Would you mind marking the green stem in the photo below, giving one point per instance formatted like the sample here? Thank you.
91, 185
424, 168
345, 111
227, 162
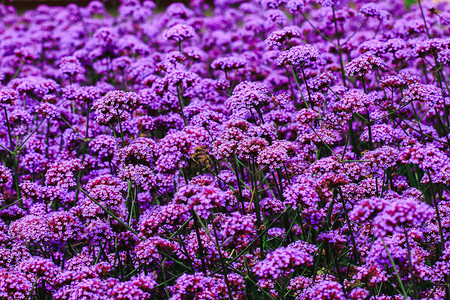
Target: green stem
181, 103
405, 294
244, 251
341, 61
317, 30
120, 128
86, 138
241, 199
307, 86
410, 264
256, 201
199, 241
424, 20
298, 85
29, 136
109, 213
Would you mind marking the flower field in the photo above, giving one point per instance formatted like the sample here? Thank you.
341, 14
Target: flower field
266, 149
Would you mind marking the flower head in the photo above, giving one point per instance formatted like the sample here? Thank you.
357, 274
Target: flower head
179, 32
299, 56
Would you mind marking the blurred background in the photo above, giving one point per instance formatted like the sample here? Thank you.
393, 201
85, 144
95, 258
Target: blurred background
23, 5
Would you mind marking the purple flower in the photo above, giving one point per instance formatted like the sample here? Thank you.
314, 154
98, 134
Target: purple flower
300, 283
8, 97
363, 65
302, 193
272, 206
48, 110
239, 230
299, 56
276, 155
430, 46
202, 199
326, 289
159, 220
425, 93
70, 66
91, 288
268, 4
185, 79
371, 273
150, 250
367, 209
103, 146
64, 226
322, 81
14, 285
228, 63
444, 57
402, 214
106, 36
381, 159
248, 95
250, 147
31, 229
282, 261
275, 16
354, 101
374, 10
5, 175
39, 270
19, 120
175, 149
26, 53
179, 32
306, 116
114, 105
328, 3
143, 171
139, 287
62, 173
295, 6
280, 37
359, 294
197, 286
140, 151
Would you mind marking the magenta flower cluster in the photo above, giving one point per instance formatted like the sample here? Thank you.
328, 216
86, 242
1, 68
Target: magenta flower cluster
226, 149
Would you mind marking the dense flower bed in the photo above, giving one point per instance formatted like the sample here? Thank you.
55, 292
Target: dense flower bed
272, 149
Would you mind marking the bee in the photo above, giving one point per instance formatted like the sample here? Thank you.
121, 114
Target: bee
200, 160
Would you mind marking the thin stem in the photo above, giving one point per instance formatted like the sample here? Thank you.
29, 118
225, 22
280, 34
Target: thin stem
109, 213
181, 103
222, 262
405, 294
317, 30
438, 215
341, 61
298, 85
241, 199
199, 240
307, 87
424, 20
244, 251
408, 247
356, 31
120, 128
256, 201
355, 249
29, 136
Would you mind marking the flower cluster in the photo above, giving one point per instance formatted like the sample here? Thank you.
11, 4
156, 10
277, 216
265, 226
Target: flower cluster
226, 149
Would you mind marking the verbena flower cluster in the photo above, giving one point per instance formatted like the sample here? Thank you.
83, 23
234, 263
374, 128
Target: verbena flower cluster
266, 149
